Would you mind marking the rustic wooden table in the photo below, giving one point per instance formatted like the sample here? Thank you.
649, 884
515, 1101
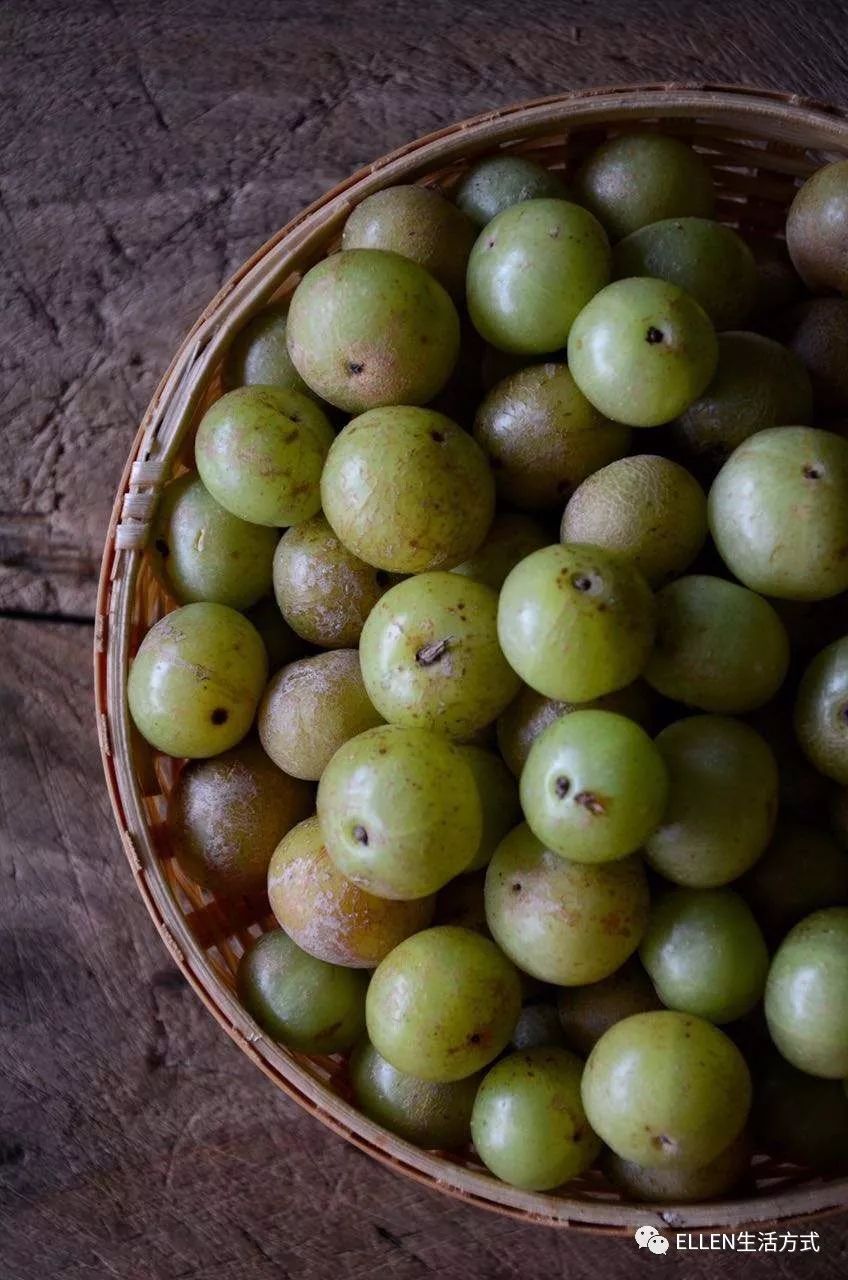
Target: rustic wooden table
146, 150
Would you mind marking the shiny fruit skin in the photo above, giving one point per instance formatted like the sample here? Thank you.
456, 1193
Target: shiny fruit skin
496, 183
821, 711
434, 1116
683, 1186
300, 1001
666, 1090
530, 713
528, 1123
499, 801
531, 271
258, 355
631, 181
327, 915
722, 802
642, 351
585, 1013
719, 646
757, 384
705, 953
564, 922
709, 261
417, 223
443, 1004
431, 659
594, 786
817, 229
542, 437
647, 509
227, 815
199, 552
406, 490
806, 999
260, 452
312, 707
399, 812
778, 513
575, 622
511, 538
195, 682
324, 591
339, 319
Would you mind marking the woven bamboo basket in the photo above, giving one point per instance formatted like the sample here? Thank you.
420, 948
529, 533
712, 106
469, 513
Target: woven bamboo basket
760, 147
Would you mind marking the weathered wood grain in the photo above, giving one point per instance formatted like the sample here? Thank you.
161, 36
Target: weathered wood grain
145, 150
136, 1141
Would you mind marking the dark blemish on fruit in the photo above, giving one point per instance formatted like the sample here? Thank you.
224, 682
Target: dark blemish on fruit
812, 473
291, 436
360, 835
516, 888
354, 367
220, 715
554, 233
381, 578
382, 751
653, 336
593, 803
162, 547
295, 417
661, 1142
438, 436
562, 786
581, 582
430, 653
490, 244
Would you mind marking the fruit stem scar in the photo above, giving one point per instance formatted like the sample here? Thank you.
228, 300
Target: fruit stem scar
360, 835
430, 653
562, 786
654, 335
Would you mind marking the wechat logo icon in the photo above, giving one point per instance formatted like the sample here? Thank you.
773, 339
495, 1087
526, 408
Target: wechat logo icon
649, 1238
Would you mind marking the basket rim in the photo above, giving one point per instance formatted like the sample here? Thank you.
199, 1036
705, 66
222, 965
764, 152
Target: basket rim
119, 568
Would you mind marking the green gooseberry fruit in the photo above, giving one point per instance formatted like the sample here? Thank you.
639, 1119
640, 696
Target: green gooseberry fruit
640, 178
666, 1090
260, 451
561, 921
806, 998
406, 490
282, 645
719, 647
647, 509
443, 1004
642, 351
298, 1000
576, 622
399, 812
585, 1013
538, 1026
821, 711
434, 1116
497, 182
594, 786
722, 802
324, 591
511, 537
430, 655
530, 713
499, 802
418, 223
542, 437
462, 902
817, 332
312, 707
683, 1186
327, 915
779, 515
705, 953
531, 271
227, 815
710, 262
817, 229
258, 355
528, 1123
341, 314
757, 384
195, 682
800, 1117
199, 552
803, 870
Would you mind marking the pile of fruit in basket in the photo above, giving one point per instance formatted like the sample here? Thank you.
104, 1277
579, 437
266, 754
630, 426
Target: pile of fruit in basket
557, 626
